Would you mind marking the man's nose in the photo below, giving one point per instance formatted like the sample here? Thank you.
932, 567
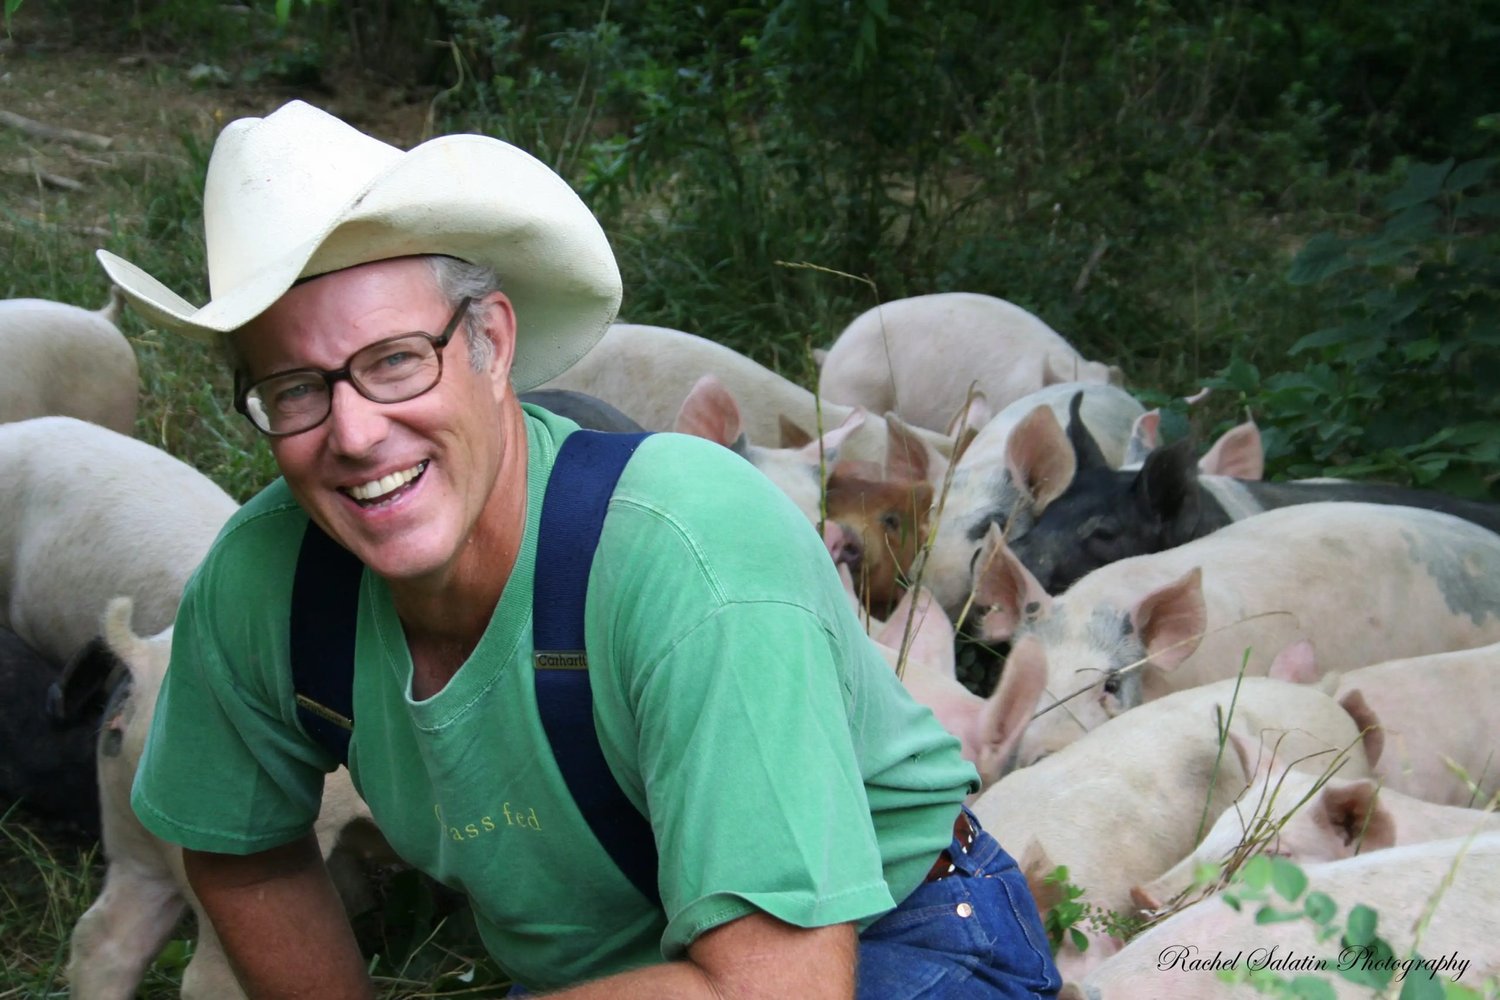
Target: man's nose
355, 424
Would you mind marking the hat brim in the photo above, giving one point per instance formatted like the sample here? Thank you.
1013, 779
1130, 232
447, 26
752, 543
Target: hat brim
466, 196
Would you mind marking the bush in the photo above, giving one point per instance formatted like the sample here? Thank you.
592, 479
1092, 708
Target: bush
1405, 383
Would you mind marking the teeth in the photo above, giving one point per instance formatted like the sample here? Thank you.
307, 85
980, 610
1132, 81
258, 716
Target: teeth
386, 484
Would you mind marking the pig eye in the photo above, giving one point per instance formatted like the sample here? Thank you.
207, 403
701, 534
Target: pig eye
1112, 684
890, 522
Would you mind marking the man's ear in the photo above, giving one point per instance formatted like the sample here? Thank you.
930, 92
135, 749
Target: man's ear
496, 319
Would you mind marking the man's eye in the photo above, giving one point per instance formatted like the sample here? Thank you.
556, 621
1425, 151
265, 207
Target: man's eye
397, 359
293, 394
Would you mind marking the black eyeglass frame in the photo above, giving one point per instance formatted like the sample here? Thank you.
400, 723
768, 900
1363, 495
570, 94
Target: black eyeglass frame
330, 376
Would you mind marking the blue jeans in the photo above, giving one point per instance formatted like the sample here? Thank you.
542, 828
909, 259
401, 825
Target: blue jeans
974, 935
928, 949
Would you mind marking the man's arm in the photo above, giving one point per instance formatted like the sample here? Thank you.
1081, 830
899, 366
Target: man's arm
750, 958
280, 921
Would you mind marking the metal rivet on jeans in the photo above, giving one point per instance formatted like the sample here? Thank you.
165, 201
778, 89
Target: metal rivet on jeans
965, 910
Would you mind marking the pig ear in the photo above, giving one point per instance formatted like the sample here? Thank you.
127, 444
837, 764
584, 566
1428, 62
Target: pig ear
1086, 453
1166, 488
1006, 588
833, 440
94, 669
931, 641
1171, 620
1006, 713
1353, 810
1039, 458
792, 436
961, 443
710, 411
975, 413
907, 456
894, 630
1145, 437
1371, 733
1297, 663
1057, 369
82, 683
1255, 760
1238, 453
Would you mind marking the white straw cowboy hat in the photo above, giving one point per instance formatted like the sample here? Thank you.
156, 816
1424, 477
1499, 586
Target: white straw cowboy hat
300, 193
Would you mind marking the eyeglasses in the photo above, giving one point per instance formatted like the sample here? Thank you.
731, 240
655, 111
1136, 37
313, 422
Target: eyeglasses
387, 371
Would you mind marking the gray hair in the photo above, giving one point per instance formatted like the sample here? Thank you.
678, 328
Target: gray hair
456, 279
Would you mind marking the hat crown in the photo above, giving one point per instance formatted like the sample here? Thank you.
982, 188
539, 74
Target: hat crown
270, 182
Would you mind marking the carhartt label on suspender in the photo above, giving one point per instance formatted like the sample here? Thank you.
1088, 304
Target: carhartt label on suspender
565, 659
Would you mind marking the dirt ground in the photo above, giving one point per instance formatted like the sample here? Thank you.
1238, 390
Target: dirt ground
142, 106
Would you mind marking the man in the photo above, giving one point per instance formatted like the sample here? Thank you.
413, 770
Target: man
795, 794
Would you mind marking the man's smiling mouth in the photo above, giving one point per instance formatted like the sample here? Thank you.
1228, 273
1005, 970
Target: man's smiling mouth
382, 491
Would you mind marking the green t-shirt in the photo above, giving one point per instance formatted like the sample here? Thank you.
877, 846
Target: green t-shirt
738, 704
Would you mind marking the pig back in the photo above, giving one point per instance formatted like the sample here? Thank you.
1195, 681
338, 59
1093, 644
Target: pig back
1362, 582
1397, 883
1125, 801
1436, 714
917, 356
61, 360
91, 514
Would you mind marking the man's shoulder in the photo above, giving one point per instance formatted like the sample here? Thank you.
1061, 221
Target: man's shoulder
258, 545
691, 471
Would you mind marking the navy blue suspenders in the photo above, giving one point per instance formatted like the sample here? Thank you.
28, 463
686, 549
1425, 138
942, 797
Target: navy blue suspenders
325, 604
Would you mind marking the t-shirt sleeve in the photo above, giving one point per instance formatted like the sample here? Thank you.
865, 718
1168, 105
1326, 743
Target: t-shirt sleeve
225, 768
754, 791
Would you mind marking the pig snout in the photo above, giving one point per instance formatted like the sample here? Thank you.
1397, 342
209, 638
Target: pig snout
844, 545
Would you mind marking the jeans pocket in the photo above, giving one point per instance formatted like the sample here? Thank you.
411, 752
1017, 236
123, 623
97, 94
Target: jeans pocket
1018, 939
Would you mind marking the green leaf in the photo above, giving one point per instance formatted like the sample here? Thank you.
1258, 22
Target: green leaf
1205, 873
1321, 258
1256, 873
1483, 206
1466, 175
1287, 879
1424, 181
1329, 337
1421, 350
1364, 970
1360, 928
1418, 985
1416, 220
1320, 907
1079, 939
1311, 988
174, 957
1271, 915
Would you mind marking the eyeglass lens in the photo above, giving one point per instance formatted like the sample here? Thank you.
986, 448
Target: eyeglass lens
387, 372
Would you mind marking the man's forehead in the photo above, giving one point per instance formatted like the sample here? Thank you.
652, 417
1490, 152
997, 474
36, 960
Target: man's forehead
341, 311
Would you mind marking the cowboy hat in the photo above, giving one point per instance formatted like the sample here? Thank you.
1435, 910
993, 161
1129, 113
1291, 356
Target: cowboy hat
300, 193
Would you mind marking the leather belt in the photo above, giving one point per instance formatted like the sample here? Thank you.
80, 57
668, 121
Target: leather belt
965, 832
